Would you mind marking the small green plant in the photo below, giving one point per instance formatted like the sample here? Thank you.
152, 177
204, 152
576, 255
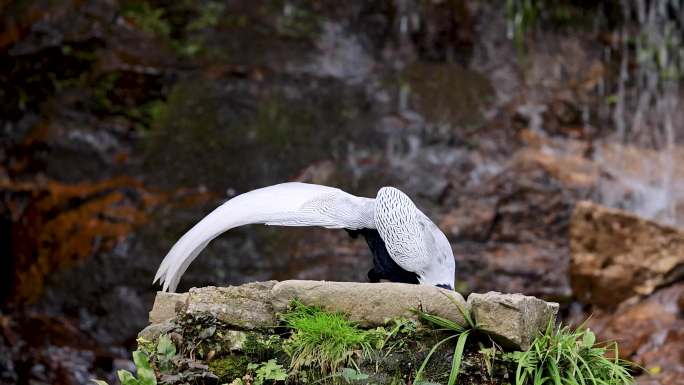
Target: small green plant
488, 356
350, 375
166, 350
143, 370
401, 330
267, 371
148, 18
162, 353
563, 356
324, 339
461, 334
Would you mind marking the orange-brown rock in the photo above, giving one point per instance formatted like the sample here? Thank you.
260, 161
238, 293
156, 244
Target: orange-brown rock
650, 332
617, 255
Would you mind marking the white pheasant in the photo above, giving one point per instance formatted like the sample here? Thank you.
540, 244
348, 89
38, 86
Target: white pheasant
406, 245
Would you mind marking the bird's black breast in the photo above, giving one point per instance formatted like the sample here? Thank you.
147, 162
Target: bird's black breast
384, 266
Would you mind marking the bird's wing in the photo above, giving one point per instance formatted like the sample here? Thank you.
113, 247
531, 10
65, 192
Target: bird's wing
286, 204
397, 221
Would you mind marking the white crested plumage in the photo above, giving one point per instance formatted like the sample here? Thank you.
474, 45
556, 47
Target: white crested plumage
411, 239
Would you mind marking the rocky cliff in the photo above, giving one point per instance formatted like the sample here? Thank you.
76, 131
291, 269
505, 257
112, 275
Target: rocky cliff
123, 122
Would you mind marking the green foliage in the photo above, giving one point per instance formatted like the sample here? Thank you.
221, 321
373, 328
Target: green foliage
270, 370
458, 357
263, 346
144, 371
326, 340
166, 350
350, 375
488, 356
148, 18
448, 324
563, 356
145, 346
162, 353
396, 338
229, 367
461, 335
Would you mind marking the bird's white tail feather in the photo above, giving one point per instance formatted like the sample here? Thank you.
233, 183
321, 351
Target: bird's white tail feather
287, 204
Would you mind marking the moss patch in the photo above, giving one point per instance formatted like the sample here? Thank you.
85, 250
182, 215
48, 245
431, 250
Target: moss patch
229, 368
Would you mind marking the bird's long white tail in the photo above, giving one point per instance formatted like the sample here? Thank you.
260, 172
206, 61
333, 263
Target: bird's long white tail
287, 204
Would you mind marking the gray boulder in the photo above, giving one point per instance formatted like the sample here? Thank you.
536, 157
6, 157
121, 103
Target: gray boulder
513, 320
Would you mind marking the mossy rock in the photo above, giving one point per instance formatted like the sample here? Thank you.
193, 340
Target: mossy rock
210, 344
229, 367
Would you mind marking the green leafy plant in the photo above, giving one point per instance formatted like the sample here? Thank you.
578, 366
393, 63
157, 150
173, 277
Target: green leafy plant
564, 356
143, 370
269, 370
162, 353
350, 375
166, 350
461, 335
324, 339
399, 333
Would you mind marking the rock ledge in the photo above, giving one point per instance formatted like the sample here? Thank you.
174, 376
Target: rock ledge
511, 319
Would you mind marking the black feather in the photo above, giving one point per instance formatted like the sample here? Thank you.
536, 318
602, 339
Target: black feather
384, 266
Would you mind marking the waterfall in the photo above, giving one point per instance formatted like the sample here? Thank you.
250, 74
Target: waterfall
646, 113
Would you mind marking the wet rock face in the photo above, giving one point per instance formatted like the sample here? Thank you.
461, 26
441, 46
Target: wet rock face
617, 255
516, 223
512, 319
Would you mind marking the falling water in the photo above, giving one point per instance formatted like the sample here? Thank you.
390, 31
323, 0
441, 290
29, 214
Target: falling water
641, 154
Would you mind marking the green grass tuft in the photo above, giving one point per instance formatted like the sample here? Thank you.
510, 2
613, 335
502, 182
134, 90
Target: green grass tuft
563, 356
461, 333
325, 340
